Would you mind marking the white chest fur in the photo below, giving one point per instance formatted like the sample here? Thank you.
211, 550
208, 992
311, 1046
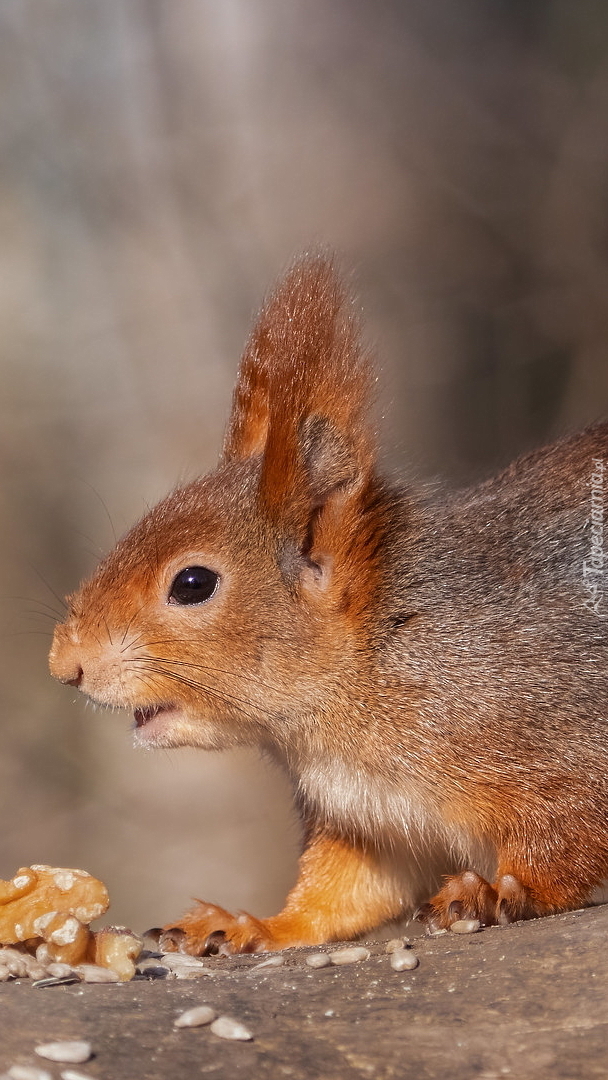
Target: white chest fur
394, 819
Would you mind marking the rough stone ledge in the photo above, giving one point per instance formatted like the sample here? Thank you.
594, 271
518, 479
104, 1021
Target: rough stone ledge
527, 1000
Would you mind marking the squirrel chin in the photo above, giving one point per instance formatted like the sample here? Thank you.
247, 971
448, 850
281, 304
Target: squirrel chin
159, 726
169, 727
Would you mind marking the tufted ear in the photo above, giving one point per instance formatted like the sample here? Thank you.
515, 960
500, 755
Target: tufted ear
301, 404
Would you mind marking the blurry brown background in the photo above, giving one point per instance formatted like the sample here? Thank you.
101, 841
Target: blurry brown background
160, 163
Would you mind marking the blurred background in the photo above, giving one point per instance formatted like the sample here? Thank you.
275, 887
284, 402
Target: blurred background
160, 163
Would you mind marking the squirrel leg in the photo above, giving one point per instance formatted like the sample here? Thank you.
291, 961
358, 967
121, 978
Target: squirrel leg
341, 891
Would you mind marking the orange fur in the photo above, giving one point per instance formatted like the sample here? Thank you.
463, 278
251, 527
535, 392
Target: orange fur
341, 892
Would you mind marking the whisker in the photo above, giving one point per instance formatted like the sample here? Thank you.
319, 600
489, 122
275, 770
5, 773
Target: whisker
135, 640
202, 667
35, 600
222, 695
105, 623
40, 615
154, 569
129, 624
59, 599
108, 515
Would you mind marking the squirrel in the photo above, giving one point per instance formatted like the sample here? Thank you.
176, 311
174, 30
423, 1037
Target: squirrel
431, 672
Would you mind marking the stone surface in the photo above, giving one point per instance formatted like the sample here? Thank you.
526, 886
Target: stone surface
527, 1001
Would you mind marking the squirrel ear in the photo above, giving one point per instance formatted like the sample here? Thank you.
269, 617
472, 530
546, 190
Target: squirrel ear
302, 360
301, 402
247, 429
302, 394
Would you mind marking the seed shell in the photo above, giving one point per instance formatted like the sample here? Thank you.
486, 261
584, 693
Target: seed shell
404, 960
465, 926
227, 1028
196, 1017
27, 1072
272, 962
349, 956
74, 1051
318, 960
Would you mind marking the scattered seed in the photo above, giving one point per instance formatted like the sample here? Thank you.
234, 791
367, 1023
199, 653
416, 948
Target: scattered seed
58, 970
37, 971
57, 980
318, 960
27, 1072
349, 956
272, 962
17, 963
94, 973
465, 926
152, 969
404, 960
185, 967
396, 943
74, 1051
227, 1028
196, 1017
435, 933
182, 966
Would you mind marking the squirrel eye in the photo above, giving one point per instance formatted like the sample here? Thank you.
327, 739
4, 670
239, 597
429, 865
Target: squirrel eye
193, 585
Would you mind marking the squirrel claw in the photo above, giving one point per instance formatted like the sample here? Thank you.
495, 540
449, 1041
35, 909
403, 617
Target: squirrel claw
463, 896
214, 943
208, 929
514, 901
427, 915
469, 896
171, 939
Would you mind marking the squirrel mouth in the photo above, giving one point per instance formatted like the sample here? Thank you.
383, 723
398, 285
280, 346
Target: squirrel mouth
147, 713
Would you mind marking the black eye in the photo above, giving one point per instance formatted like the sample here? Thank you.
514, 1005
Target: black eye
193, 585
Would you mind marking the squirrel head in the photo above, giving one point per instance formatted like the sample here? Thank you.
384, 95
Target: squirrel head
227, 612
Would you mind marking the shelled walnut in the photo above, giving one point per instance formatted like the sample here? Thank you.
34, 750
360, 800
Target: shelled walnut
46, 912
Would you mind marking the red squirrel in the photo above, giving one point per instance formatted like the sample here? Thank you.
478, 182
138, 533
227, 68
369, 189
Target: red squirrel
430, 672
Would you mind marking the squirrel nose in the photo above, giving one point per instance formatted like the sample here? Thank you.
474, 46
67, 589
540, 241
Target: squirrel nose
76, 678
64, 661
70, 674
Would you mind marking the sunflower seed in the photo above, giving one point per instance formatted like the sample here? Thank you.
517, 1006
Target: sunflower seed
182, 966
74, 1051
465, 926
94, 973
27, 1072
227, 1028
57, 980
58, 970
16, 962
196, 1017
318, 960
349, 956
396, 943
272, 962
404, 960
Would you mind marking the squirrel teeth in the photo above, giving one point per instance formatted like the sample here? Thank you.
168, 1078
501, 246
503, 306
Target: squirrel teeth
147, 713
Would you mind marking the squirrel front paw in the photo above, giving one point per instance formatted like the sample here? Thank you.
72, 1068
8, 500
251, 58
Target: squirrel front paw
207, 929
469, 896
